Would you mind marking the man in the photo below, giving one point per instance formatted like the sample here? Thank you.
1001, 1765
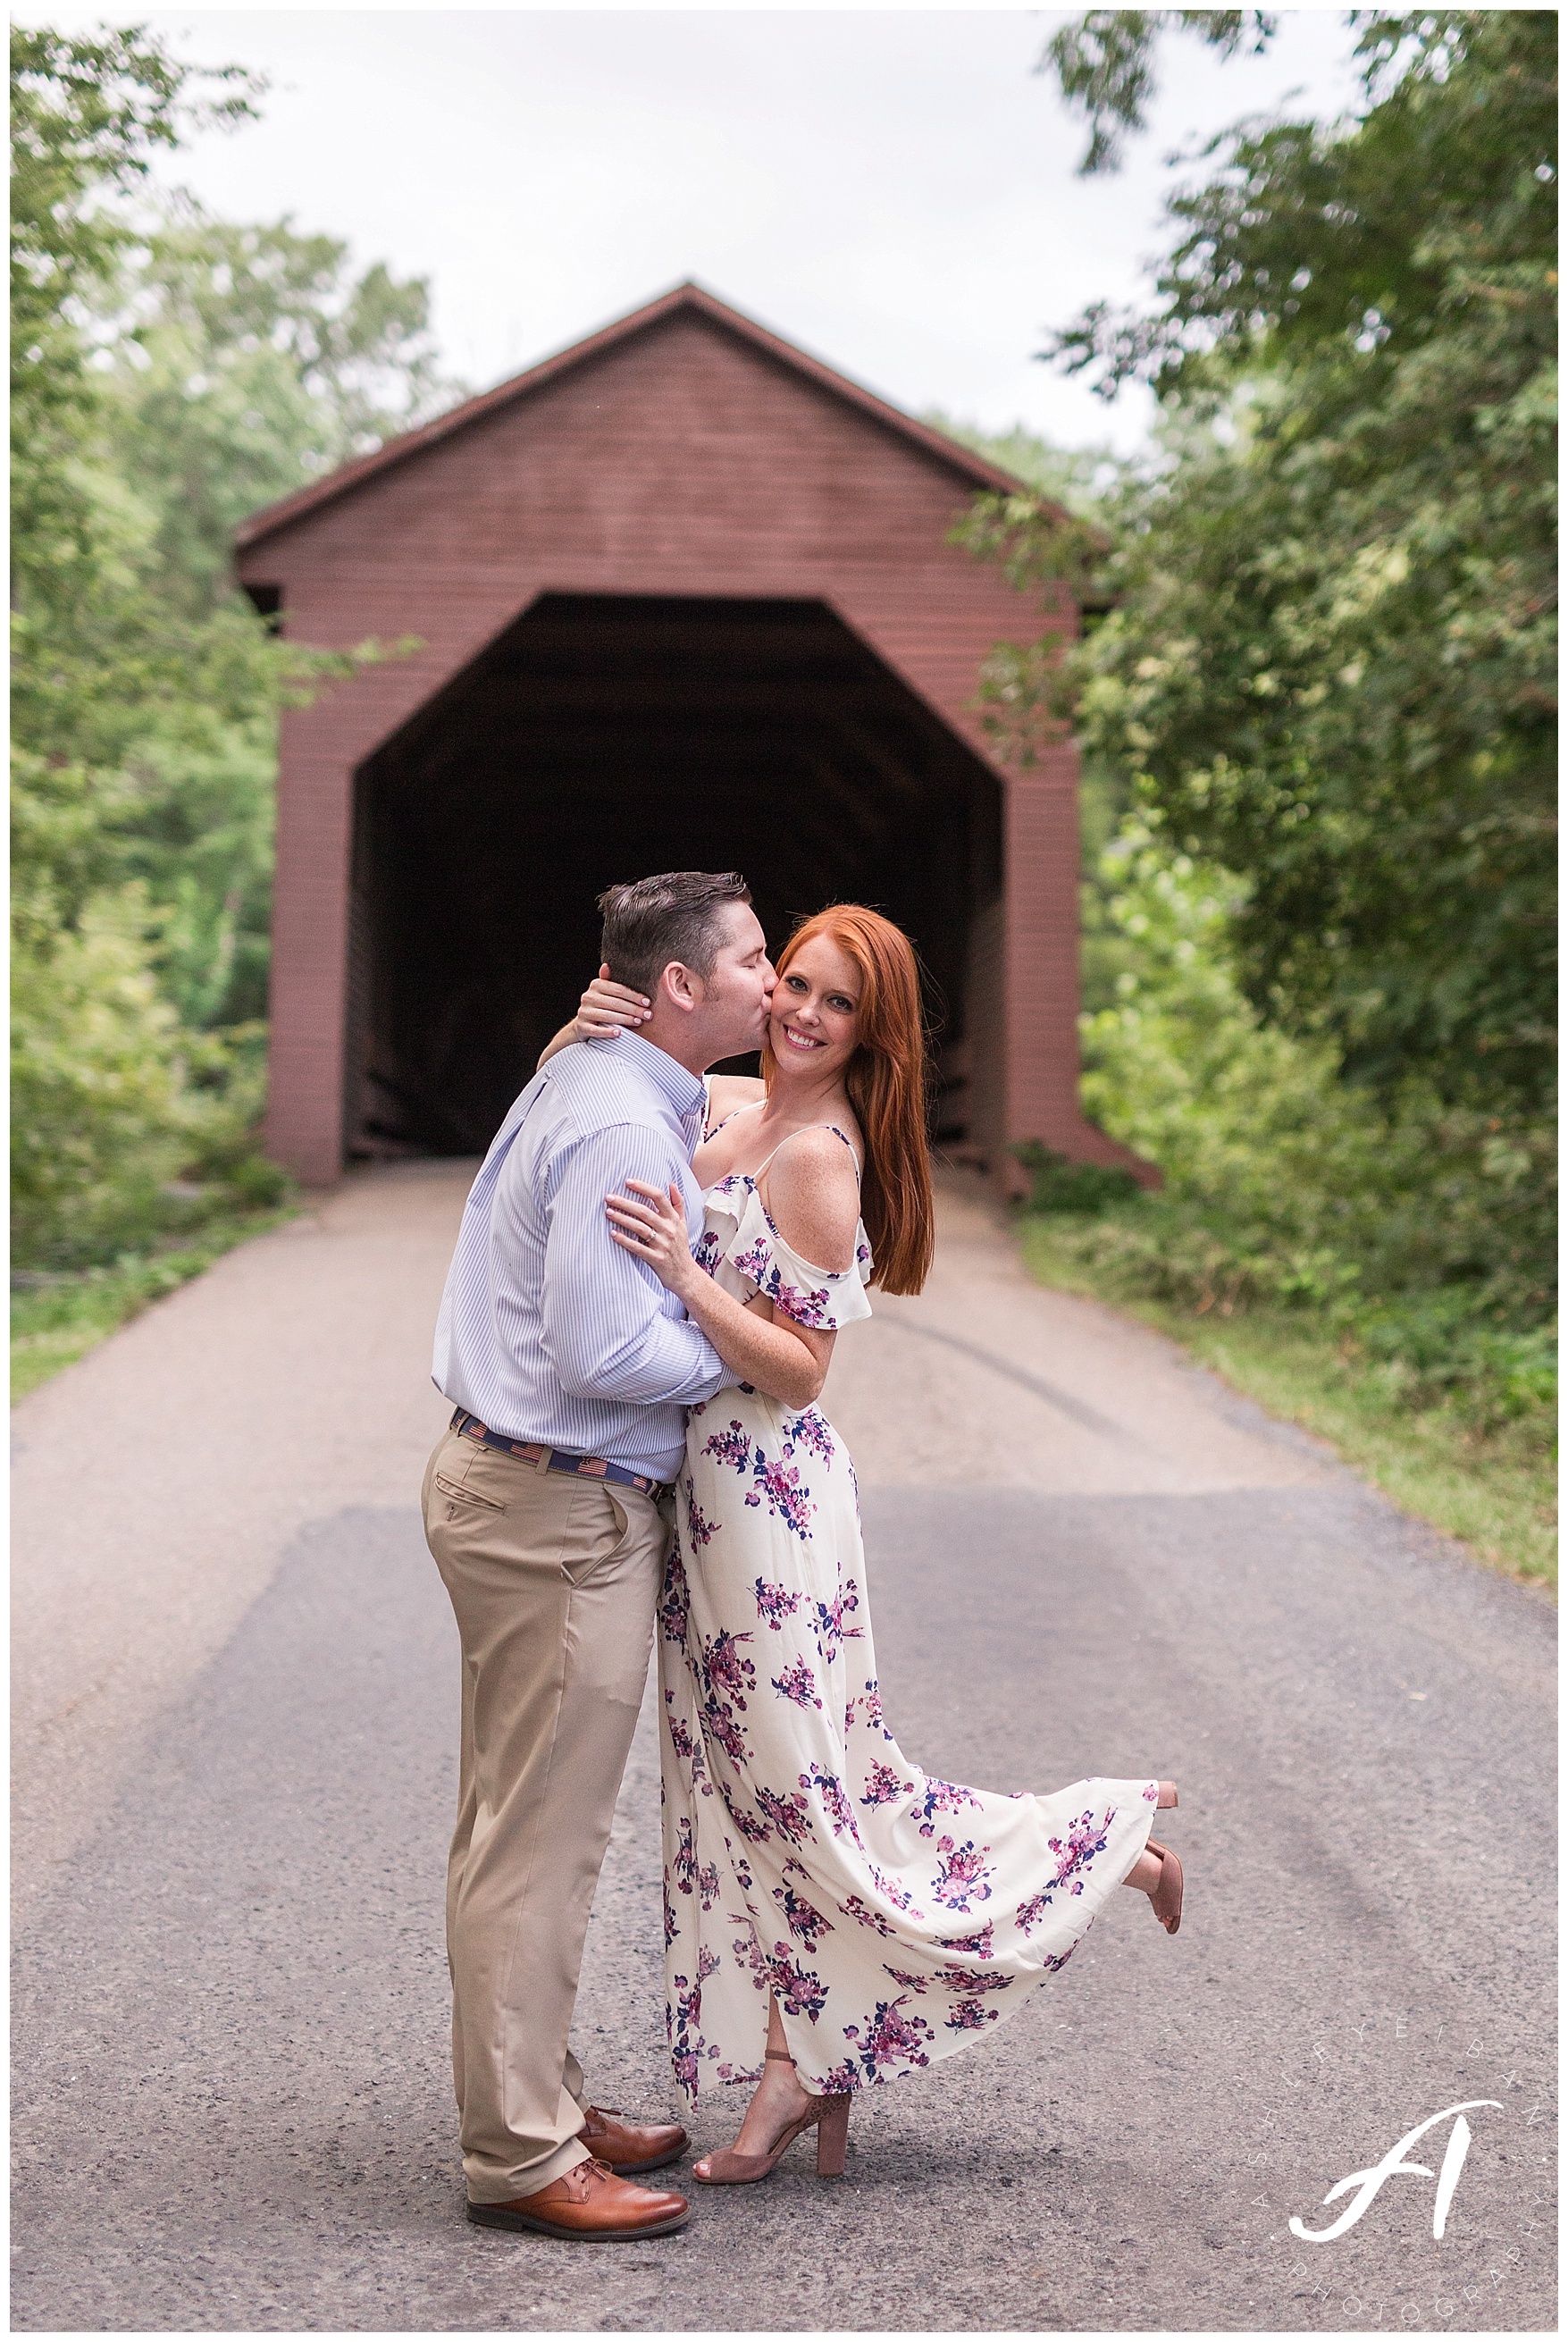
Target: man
547, 1507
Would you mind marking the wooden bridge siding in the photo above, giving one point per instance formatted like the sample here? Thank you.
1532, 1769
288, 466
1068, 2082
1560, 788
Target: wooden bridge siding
681, 462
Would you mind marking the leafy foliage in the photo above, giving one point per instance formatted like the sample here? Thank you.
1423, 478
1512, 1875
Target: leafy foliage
56, 1315
100, 1120
1058, 1185
86, 116
245, 361
1422, 1233
1319, 716
1103, 63
1331, 665
169, 373
1078, 479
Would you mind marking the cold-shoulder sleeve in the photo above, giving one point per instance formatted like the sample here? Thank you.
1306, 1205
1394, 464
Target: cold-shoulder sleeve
821, 1298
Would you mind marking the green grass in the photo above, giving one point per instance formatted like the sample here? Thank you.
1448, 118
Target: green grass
58, 1318
1497, 1491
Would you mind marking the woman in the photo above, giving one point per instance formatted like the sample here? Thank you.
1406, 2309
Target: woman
834, 1915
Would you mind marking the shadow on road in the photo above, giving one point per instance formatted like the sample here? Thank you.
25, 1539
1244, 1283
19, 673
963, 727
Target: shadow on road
233, 2108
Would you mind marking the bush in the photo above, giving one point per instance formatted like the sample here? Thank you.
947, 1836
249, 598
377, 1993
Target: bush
1419, 1232
99, 1111
125, 1126
1056, 1184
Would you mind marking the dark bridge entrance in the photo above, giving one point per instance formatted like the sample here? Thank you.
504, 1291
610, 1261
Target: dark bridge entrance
605, 736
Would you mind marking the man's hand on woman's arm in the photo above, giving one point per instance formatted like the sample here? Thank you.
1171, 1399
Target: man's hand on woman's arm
786, 1361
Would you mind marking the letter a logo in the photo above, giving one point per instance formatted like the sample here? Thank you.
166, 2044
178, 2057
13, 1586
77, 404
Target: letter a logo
1367, 2183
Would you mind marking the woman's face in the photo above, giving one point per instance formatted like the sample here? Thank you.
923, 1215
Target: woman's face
816, 1019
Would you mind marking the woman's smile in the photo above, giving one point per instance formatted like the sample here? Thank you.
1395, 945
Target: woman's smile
798, 1040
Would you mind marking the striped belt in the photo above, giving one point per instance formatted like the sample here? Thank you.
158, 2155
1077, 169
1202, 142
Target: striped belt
556, 1459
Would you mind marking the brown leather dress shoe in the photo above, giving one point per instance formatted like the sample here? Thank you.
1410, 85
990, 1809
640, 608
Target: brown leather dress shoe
591, 2206
632, 2147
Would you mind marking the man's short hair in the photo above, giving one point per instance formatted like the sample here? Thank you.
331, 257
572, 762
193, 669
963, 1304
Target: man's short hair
678, 915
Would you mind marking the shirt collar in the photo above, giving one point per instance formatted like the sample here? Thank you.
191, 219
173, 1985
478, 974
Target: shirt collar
685, 1092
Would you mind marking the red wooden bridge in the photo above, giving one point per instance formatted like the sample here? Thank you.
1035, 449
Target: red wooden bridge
685, 598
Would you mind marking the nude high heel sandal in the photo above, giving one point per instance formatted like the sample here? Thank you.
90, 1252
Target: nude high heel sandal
1166, 1897
830, 2117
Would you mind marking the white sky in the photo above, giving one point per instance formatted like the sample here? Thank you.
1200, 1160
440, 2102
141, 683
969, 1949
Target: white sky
892, 188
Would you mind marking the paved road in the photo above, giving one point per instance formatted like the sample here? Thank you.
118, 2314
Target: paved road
236, 1700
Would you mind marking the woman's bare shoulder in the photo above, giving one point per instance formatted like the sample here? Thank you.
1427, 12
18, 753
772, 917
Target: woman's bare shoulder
729, 1092
814, 1197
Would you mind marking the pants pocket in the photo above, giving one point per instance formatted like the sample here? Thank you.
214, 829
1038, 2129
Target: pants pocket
456, 1493
598, 1529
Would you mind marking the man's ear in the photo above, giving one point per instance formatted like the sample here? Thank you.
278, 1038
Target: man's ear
680, 987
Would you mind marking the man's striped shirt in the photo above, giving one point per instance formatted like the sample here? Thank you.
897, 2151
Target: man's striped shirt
548, 1329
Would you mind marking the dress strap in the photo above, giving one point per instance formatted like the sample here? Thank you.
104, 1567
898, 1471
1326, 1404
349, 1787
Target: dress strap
712, 1129
848, 1142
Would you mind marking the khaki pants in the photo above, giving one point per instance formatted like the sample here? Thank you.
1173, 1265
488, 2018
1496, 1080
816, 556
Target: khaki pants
554, 1579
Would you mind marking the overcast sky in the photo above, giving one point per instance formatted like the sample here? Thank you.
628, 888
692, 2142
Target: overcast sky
894, 188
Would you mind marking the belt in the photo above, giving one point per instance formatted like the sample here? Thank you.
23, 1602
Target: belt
556, 1459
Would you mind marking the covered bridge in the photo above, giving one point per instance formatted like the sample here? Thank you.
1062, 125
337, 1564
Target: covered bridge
684, 598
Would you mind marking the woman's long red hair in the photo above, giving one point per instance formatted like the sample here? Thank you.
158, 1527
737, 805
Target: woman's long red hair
886, 1080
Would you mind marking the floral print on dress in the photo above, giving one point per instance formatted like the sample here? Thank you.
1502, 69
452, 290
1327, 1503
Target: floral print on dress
707, 1250
780, 1487
799, 1684
882, 1786
890, 2040
789, 1814
969, 2010
699, 1528
681, 1740
683, 1869
755, 1262
894, 1914
857, 1909
770, 1267
812, 1432
980, 1946
962, 1877
1085, 1839
941, 1798
805, 1922
806, 1308
776, 1602
800, 1992
731, 1447
831, 1790
725, 1669
969, 2015
674, 1600
684, 2014
831, 1629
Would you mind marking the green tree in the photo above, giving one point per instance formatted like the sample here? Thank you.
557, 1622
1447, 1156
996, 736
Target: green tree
86, 118
1078, 479
1103, 63
1330, 668
245, 361
168, 373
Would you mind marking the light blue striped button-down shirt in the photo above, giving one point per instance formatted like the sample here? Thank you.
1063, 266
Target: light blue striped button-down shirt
548, 1330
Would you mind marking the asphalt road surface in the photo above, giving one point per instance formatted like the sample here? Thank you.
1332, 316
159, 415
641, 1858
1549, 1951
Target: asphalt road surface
235, 1712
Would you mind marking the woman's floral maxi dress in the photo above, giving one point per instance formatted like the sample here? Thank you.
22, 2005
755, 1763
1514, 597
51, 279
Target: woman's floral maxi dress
893, 1915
